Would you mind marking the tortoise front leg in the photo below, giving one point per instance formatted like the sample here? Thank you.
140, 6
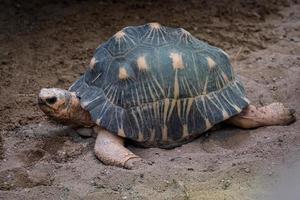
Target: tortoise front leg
273, 114
110, 150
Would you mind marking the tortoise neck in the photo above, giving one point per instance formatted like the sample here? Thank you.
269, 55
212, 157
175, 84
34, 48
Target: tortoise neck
77, 114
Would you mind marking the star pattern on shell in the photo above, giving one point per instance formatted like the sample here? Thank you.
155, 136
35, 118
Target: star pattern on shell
156, 84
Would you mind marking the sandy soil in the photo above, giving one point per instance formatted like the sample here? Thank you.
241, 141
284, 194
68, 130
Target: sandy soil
49, 43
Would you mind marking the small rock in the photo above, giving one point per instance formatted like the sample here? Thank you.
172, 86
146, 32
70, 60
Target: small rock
142, 175
247, 170
226, 184
270, 173
274, 88
150, 162
93, 182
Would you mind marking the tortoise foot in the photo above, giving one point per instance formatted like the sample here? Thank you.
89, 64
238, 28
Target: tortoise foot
111, 151
270, 115
278, 114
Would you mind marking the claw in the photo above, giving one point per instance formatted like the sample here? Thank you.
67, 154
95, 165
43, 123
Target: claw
132, 163
292, 117
292, 111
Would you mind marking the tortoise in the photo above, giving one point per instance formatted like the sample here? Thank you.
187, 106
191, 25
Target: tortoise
158, 87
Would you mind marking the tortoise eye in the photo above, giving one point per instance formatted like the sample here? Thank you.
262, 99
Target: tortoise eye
51, 100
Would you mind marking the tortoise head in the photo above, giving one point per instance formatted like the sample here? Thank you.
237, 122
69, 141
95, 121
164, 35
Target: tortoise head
63, 106
55, 103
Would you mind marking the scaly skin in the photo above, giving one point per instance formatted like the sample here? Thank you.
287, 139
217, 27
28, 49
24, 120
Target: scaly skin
111, 151
270, 115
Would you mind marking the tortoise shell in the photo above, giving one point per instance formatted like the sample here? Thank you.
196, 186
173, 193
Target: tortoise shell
159, 86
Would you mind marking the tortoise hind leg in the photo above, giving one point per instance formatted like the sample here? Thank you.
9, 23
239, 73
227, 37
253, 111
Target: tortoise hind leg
273, 114
111, 151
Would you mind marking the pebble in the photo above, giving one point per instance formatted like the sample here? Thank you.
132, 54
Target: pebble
142, 175
150, 162
274, 88
226, 184
270, 173
247, 170
93, 182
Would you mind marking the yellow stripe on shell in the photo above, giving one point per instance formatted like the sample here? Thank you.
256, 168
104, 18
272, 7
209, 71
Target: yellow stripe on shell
123, 73
207, 124
226, 54
165, 134
185, 131
92, 62
155, 25
121, 133
185, 32
142, 63
140, 137
177, 62
119, 35
211, 63
225, 115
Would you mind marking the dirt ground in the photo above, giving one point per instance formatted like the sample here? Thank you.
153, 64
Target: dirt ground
49, 44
